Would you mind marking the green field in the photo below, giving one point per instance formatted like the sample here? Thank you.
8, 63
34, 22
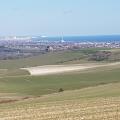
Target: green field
14, 80
93, 103
61, 57
92, 94
39, 85
44, 59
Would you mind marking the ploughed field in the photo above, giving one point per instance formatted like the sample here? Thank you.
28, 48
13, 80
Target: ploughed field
91, 89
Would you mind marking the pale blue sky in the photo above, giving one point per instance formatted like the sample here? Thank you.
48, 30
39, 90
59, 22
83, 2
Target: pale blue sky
53, 17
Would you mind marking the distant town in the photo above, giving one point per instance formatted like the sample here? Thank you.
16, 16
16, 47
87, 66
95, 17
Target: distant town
14, 47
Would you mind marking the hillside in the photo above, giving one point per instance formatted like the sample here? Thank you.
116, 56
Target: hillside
92, 93
98, 103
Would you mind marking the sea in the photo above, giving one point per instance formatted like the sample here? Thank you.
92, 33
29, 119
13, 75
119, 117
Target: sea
97, 38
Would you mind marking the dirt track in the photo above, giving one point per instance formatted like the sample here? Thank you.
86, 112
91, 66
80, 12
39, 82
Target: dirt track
53, 69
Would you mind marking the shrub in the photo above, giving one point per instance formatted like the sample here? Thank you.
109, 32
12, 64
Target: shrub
60, 90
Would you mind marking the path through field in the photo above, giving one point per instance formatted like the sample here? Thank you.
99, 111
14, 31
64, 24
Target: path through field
53, 69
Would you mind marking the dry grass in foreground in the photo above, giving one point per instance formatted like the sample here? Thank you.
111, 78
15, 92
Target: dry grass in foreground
92, 109
93, 103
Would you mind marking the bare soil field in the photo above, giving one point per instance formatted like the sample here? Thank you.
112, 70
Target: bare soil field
53, 69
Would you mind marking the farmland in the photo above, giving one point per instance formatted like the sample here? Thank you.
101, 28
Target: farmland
92, 93
102, 102
39, 85
52, 58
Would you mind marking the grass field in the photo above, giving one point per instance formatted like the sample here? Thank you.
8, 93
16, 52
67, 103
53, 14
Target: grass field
39, 85
91, 94
61, 57
44, 59
93, 103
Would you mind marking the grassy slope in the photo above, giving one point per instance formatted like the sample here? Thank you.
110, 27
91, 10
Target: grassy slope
70, 56
63, 57
102, 91
39, 85
49, 58
94, 103
12, 81
13, 72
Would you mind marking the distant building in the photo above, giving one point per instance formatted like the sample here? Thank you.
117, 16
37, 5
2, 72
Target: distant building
49, 48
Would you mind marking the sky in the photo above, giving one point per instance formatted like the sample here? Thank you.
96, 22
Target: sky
55, 17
